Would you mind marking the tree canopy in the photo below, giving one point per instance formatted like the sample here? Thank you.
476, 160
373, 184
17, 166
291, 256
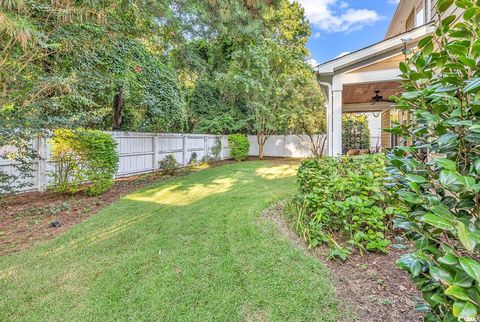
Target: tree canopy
218, 66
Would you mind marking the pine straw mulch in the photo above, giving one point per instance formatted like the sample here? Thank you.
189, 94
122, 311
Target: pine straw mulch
372, 287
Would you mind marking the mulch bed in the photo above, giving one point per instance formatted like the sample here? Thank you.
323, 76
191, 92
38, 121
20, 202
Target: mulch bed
372, 286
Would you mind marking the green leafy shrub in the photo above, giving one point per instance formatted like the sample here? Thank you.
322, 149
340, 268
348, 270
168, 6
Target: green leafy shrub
438, 176
239, 146
343, 203
217, 149
169, 165
84, 160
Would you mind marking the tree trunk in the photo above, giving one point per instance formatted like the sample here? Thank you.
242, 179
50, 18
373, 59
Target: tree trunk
118, 106
260, 150
261, 139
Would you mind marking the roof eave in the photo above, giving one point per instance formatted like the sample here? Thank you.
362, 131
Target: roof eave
329, 68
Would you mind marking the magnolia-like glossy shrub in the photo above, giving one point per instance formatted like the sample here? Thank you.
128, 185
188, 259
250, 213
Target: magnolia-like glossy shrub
239, 146
343, 202
84, 160
438, 175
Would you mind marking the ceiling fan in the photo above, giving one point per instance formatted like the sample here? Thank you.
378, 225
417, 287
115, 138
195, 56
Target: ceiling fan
378, 98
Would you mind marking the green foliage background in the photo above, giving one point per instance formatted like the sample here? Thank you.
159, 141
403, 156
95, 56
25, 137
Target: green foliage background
355, 132
181, 65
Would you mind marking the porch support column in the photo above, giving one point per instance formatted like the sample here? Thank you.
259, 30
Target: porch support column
335, 131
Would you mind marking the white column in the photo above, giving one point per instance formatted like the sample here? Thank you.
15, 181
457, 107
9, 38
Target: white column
330, 125
429, 11
336, 133
335, 139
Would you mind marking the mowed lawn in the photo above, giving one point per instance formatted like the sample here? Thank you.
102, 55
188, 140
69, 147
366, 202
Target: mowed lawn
188, 249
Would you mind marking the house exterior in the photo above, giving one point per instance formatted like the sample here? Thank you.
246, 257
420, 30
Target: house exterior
351, 81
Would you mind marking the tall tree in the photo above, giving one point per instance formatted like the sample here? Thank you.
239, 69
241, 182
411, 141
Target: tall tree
53, 58
305, 114
264, 71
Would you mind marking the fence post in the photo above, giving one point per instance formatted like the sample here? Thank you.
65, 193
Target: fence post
184, 149
225, 147
205, 147
155, 152
42, 164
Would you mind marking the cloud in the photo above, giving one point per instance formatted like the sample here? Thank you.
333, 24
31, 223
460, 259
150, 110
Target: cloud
337, 16
343, 54
313, 62
395, 2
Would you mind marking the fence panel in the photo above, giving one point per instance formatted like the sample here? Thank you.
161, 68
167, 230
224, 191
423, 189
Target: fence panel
292, 146
140, 152
136, 152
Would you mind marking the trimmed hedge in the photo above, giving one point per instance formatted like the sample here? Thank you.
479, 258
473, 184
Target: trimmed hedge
239, 146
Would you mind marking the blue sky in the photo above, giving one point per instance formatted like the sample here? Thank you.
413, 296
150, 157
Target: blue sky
342, 26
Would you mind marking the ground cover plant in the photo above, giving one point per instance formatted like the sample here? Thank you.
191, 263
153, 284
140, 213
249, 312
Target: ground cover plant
190, 248
84, 160
438, 175
342, 202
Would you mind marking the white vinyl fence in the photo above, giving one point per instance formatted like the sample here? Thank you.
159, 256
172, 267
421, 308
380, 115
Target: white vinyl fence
291, 146
139, 153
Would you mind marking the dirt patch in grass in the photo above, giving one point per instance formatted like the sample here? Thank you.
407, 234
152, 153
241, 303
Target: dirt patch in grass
26, 219
372, 286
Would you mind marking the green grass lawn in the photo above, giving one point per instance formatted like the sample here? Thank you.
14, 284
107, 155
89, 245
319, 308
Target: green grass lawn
186, 249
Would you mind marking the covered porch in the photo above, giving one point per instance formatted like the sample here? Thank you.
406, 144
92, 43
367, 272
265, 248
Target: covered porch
362, 82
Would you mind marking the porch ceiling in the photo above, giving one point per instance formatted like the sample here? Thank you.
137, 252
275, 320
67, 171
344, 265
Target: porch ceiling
363, 93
